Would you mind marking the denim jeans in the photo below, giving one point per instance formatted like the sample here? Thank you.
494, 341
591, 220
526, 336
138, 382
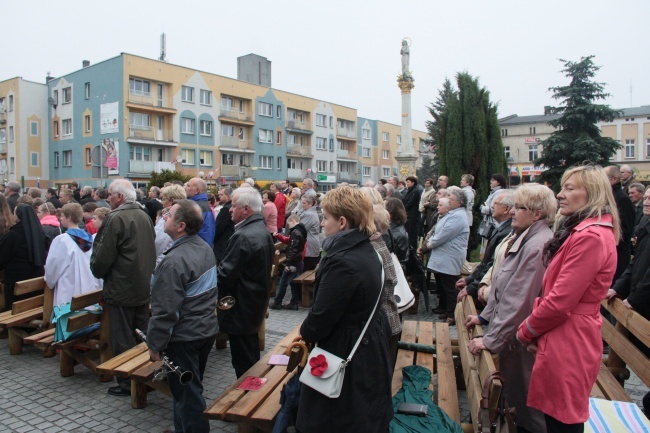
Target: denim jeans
188, 400
285, 280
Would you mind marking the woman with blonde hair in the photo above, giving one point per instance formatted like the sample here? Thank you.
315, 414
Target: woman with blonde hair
6, 216
564, 327
347, 289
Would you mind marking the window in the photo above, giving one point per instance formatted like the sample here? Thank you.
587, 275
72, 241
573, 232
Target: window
532, 130
629, 148
187, 125
187, 94
139, 153
647, 148
55, 128
206, 97
278, 137
206, 128
67, 95
384, 154
11, 134
67, 127
227, 130
55, 96
365, 152
88, 153
67, 158
278, 111
399, 139
331, 145
321, 143
33, 159
385, 172
3, 136
384, 136
56, 159
205, 158
291, 139
321, 166
33, 128
507, 150
87, 125
11, 102
533, 153
331, 122
12, 165
279, 165
188, 156
242, 134
140, 121
366, 134
266, 162
139, 87
241, 105
366, 171
265, 109
265, 136
227, 102
87, 90
321, 120
504, 132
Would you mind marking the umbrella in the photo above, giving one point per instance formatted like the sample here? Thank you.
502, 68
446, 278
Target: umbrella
290, 394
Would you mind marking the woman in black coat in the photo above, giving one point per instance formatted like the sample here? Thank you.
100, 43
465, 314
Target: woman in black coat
348, 284
22, 252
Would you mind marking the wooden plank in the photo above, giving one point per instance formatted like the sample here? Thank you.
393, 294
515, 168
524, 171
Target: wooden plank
48, 305
87, 299
266, 413
609, 386
147, 371
111, 364
470, 372
404, 357
633, 321
131, 365
632, 356
425, 336
35, 338
220, 407
27, 304
29, 286
82, 320
447, 392
249, 403
24, 318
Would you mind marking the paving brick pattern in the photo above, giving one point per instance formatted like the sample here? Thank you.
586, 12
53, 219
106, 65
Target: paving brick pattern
35, 398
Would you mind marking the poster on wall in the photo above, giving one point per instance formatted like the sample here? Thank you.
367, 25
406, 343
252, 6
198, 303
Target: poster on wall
112, 147
108, 115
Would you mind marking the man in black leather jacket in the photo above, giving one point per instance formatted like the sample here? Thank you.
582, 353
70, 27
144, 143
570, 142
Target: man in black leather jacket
245, 274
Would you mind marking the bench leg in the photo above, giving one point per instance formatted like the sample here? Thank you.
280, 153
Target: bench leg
307, 295
66, 364
138, 394
49, 352
15, 341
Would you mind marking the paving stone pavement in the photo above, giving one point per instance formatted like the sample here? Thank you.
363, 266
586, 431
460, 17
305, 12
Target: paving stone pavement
35, 398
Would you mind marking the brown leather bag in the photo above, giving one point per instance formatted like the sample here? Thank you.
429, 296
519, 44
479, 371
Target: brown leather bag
499, 420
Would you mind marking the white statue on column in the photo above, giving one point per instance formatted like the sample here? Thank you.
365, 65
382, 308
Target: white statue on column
405, 52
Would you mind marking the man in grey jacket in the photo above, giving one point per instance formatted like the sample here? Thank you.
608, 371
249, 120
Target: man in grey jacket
124, 255
183, 319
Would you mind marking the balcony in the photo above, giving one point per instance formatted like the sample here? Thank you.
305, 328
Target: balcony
230, 142
3, 147
295, 174
146, 100
3, 117
146, 167
298, 151
346, 154
233, 115
230, 170
298, 127
149, 135
346, 133
346, 176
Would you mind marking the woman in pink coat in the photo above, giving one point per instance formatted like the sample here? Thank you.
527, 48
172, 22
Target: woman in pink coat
564, 327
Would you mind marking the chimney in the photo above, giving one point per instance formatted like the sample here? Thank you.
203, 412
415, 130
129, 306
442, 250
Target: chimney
85, 63
48, 78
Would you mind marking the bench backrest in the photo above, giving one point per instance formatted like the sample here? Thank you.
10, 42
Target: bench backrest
82, 301
32, 286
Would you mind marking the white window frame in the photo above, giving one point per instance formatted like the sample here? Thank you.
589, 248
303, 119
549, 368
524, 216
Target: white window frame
366, 171
365, 152
205, 97
321, 166
188, 125
206, 128
67, 127
365, 133
321, 120
278, 137
66, 92
33, 124
145, 87
291, 139
67, 158
647, 148
331, 145
279, 163
533, 153
187, 94
384, 154
321, 143
87, 123
399, 139
227, 130
11, 102
56, 160
278, 111
507, 151
264, 109
189, 156
630, 148
206, 156
33, 155
141, 121
12, 135
265, 136
384, 136
87, 90
385, 172
227, 102
266, 162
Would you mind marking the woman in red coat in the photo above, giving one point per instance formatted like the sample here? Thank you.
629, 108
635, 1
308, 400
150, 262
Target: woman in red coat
564, 327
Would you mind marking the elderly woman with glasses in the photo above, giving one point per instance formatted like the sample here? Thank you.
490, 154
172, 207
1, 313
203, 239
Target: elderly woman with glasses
515, 286
564, 326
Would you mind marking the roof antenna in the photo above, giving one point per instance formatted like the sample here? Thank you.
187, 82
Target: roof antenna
162, 48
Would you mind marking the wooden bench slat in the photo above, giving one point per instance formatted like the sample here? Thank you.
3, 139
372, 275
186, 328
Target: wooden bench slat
82, 320
447, 392
108, 366
23, 318
87, 299
29, 286
34, 339
76, 342
27, 304
609, 387
253, 400
633, 321
147, 371
404, 357
266, 413
131, 365
425, 336
470, 372
632, 356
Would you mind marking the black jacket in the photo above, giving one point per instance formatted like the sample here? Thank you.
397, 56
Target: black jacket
297, 241
481, 269
397, 241
55, 202
348, 283
245, 273
412, 206
152, 207
626, 214
224, 227
634, 284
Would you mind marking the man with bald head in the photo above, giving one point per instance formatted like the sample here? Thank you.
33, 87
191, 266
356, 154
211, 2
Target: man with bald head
626, 215
197, 190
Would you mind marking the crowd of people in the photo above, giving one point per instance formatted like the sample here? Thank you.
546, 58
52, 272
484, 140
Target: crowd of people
185, 264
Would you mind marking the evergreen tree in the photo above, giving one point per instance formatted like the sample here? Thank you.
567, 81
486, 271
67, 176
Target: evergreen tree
467, 134
426, 170
577, 138
436, 127
159, 179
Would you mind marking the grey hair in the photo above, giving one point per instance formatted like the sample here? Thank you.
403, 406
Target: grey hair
13, 185
389, 189
250, 181
444, 192
460, 196
308, 182
311, 199
87, 190
248, 197
125, 188
444, 201
298, 192
227, 190
155, 190
507, 199
638, 186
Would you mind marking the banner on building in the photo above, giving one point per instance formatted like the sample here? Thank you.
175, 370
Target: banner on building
112, 147
108, 118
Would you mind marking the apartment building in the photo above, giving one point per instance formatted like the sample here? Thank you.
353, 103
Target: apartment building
632, 130
23, 133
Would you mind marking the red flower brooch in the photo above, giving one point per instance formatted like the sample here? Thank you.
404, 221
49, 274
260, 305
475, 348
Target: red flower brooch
318, 365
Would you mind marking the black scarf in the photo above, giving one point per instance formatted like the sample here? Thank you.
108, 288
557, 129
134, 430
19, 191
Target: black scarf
33, 234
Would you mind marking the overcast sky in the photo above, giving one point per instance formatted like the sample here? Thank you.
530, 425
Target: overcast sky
346, 51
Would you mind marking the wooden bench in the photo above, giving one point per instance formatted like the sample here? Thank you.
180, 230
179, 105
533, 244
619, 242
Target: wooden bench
255, 411
29, 316
307, 280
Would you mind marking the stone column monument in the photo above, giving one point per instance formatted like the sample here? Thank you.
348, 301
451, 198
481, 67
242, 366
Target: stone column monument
406, 157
